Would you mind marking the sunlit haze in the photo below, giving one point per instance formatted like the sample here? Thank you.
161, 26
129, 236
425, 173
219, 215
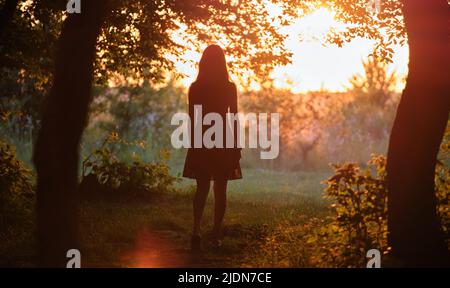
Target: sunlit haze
316, 65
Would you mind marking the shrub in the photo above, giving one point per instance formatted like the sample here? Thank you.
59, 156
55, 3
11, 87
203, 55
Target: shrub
443, 183
16, 188
357, 221
105, 174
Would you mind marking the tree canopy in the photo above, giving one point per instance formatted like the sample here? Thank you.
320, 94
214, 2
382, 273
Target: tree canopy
138, 35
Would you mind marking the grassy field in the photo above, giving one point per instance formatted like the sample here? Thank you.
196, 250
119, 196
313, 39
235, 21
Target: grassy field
157, 233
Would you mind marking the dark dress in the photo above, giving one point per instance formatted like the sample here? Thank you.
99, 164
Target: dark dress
213, 163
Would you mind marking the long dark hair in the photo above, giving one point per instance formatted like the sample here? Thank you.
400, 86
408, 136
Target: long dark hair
213, 66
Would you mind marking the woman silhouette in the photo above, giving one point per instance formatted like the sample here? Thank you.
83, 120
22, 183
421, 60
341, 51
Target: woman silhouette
215, 93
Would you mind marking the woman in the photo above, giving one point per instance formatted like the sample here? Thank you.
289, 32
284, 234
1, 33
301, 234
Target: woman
215, 93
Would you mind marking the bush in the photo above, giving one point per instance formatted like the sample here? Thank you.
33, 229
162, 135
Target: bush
357, 221
106, 175
16, 189
360, 219
443, 183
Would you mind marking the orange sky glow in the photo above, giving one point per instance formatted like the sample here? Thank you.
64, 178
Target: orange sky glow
315, 65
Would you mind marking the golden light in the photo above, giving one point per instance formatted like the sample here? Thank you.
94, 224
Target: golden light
315, 65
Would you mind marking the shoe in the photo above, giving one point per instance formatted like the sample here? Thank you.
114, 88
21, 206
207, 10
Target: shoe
196, 243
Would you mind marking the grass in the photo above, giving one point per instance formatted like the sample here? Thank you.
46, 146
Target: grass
156, 233
256, 205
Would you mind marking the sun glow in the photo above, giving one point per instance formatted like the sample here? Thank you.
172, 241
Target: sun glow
316, 65
319, 66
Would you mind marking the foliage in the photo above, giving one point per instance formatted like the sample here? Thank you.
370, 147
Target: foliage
138, 111
443, 182
317, 128
362, 18
140, 40
303, 122
355, 223
138, 35
144, 39
360, 219
366, 118
360, 213
377, 83
26, 65
104, 173
383, 24
16, 188
357, 220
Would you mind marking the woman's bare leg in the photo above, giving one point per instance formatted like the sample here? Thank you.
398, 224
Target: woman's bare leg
199, 203
220, 204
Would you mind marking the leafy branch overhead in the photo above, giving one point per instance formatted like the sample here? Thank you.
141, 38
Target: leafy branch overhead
139, 34
140, 37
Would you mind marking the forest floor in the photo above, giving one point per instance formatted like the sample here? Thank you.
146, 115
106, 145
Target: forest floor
157, 233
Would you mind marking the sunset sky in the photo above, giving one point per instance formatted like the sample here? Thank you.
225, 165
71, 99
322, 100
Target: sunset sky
315, 64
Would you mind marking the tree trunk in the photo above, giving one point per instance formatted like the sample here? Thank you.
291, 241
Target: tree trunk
7, 14
56, 152
414, 229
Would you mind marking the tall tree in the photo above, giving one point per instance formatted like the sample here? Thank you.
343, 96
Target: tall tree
56, 150
414, 229
134, 42
421, 118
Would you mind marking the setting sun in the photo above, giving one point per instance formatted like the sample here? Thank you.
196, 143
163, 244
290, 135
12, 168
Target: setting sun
316, 65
